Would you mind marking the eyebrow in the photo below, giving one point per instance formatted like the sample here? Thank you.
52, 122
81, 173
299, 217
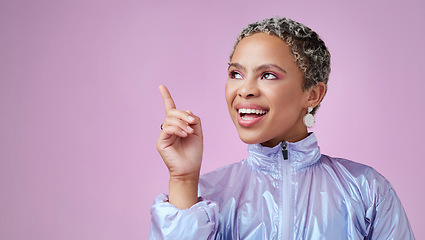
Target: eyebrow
259, 68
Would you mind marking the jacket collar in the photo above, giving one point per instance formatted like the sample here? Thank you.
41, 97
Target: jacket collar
301, 154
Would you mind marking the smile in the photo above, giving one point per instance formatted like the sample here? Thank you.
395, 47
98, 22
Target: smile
247, 117
253, 111
250, 114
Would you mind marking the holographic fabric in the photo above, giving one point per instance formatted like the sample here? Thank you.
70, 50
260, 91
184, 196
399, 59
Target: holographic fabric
307, 196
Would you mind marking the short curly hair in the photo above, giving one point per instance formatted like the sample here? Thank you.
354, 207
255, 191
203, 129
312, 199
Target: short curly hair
309, 51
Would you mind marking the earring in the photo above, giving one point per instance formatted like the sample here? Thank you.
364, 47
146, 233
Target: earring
309, 118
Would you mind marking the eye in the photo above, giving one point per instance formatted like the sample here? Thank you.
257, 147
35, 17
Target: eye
268, 76
235, 75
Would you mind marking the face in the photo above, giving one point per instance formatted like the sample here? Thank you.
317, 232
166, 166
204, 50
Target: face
264, 92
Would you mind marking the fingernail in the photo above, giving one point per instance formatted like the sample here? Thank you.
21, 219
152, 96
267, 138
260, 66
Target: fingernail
189, 128
190, 118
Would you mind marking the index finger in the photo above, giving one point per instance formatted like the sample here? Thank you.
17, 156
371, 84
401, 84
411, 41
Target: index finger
166, 97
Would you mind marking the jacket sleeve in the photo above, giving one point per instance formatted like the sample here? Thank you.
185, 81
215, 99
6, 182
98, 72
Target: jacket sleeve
169, 222
390, 219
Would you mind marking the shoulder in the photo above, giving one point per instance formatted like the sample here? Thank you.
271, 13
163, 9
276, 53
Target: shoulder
354, 169
223, 175
365, 179
225, 180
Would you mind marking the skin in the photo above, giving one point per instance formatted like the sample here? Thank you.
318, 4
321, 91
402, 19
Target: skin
262, 73
180, 145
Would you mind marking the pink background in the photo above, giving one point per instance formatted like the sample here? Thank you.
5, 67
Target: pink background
80, 107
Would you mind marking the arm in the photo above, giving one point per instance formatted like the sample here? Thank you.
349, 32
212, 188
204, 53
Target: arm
390, 220
169, 222
180, 145
181, 215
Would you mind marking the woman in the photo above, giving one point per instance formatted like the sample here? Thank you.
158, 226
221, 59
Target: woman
285, 189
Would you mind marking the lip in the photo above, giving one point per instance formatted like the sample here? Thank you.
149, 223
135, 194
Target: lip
249, 122
250, 105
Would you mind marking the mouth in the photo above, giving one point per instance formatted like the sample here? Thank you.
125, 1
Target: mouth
249, 114
247, 117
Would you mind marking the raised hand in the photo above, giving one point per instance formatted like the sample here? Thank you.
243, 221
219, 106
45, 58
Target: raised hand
180, 145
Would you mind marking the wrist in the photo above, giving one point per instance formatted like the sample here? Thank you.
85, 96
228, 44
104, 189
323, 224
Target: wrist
184, 179
183, 193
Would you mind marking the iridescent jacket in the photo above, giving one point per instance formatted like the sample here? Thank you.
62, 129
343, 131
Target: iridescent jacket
290, 191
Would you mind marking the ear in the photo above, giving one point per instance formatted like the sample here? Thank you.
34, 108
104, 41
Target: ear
316, 94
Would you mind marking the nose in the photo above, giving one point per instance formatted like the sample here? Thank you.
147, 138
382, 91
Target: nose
249, 89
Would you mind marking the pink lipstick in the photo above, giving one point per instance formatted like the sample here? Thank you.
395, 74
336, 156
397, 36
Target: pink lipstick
249, 114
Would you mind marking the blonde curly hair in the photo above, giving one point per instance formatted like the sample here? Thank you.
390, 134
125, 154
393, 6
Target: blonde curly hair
309, 51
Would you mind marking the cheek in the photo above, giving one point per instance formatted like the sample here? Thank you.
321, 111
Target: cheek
279, 96
230, 93
285, 99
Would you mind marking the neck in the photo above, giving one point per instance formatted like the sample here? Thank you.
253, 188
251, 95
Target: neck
293, 138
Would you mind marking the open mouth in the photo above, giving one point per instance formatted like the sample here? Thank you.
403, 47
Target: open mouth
249, 114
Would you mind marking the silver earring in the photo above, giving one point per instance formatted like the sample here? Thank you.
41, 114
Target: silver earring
309, 118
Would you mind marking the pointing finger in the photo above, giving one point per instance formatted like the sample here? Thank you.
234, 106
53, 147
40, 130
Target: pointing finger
166, 97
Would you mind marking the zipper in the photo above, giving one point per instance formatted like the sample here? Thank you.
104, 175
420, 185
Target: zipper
284, 150
286, 210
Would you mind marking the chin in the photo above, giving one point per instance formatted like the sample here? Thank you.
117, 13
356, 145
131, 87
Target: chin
250, 139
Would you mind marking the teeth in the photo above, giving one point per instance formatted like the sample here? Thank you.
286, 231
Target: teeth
248, 110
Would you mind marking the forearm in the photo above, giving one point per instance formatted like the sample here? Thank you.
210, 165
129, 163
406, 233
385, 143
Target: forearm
183, 193
170, 222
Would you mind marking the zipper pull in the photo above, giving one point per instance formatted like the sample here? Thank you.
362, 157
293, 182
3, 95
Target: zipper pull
284, 150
